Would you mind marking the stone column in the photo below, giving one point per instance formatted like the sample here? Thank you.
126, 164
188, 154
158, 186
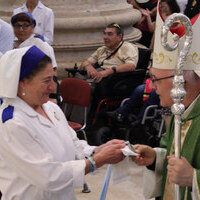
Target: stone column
6, 9
79, 25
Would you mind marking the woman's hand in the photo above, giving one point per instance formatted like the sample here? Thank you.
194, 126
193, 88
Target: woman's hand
109, 153
111, 142
147, 155
180, 171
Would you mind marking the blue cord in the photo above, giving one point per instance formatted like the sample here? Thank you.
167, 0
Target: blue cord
106, 182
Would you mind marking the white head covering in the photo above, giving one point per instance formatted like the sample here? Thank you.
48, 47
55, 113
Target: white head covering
163, 59
10, 68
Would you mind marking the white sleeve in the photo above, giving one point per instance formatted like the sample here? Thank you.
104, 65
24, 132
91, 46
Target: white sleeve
195, 187
22, 152
154, 177
82, 148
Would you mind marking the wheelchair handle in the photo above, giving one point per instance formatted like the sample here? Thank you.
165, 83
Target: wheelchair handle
74, 70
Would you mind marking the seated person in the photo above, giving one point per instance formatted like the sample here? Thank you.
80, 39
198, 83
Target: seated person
114, 57
166, 8
123, 60
143, 6
44, 17
142, 97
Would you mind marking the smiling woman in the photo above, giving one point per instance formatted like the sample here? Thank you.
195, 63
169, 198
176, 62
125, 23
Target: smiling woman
41, 156
35, 88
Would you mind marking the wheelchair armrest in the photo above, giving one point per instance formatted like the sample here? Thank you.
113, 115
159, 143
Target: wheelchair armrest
73, 71
145, 116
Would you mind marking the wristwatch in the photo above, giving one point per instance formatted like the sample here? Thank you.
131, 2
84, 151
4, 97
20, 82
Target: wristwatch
114, 70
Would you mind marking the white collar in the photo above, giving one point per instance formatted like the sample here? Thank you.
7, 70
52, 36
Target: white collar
40, 5
29, 111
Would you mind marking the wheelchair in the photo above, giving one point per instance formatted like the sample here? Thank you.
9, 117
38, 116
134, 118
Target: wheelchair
122, 85
123, 82
148, 131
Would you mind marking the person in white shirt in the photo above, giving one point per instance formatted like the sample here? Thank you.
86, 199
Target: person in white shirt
23, 24
6, 37
41, 157
182, 4
44, 17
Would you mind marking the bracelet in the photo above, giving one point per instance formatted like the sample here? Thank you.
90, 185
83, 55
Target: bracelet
92, 164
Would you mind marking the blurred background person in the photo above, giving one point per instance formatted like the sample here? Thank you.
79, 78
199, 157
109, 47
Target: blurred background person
6, 37
44, 17
192, 8
23, 24
142, 6
166, 8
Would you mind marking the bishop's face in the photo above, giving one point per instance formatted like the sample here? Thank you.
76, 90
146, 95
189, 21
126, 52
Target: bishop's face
162, 82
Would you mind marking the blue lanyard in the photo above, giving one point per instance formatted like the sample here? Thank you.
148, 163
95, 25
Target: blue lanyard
106, 183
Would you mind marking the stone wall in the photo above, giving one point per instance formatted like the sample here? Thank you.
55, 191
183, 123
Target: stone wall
79, 26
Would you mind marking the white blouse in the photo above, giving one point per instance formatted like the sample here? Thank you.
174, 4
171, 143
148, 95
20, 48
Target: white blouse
38, 157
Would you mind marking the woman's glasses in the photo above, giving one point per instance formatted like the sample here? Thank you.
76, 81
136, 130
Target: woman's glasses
23, 26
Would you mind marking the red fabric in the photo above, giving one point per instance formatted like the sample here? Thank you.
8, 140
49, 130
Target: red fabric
74, 125
75, 91
153, 1
147, 90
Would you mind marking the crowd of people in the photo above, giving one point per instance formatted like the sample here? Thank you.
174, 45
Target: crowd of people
40, 154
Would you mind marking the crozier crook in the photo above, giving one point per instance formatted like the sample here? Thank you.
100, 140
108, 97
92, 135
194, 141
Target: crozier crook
178, 91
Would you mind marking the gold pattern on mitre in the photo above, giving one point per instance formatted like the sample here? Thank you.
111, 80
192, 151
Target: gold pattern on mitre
164, 59
161, 58
193, 58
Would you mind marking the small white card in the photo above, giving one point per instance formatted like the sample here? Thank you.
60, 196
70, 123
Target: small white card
128, 152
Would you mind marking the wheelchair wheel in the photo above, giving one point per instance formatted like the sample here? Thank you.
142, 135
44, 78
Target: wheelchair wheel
103, 135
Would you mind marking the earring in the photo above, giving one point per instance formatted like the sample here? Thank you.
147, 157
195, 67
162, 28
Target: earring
23, 93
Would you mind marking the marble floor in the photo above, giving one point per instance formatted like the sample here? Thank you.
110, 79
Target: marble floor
127, 190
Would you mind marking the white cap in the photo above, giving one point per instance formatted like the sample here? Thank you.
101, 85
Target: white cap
16, 65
